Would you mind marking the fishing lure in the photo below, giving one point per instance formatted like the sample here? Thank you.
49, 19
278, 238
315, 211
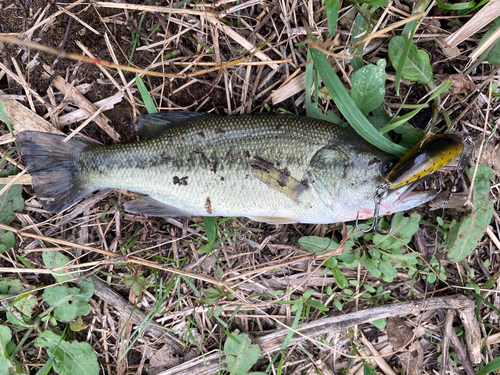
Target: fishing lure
425, 158
422, 160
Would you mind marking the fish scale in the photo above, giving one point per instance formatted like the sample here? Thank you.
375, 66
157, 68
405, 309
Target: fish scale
270, 168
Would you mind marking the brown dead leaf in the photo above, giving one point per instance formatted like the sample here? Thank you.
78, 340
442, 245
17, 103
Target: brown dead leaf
165, 358
491, 156
461, 84
399, 334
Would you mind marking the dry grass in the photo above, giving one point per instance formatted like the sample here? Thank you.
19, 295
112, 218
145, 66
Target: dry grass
203, 63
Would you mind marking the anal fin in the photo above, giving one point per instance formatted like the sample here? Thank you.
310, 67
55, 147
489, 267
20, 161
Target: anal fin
151, 207
273, 220
278, 179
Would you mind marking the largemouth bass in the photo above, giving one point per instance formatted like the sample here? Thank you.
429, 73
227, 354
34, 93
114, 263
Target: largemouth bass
277, 169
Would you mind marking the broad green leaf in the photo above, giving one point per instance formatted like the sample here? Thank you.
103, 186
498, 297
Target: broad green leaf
67, 303
409, 32
332, 15
55, 259
7, 367
371, 265
410, 135
368, 86
339, 278
337, 304
380, 323
387, 269
360, 29
11, 202
417, 67
7, 240
464, 236
357, 63
240, 357
347, 258
70, 358
348, 108
403, 230
24, 301
320, 245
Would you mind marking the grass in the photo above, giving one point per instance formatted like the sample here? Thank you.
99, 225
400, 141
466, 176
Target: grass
217, 284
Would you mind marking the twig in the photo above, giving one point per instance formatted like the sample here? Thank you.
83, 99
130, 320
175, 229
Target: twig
459, 349
271, 343
445, 350
127, 310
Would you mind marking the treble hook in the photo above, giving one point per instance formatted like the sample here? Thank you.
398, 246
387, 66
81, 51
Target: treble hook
380, 194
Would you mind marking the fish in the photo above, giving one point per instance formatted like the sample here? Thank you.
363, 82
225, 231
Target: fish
269, 168
425, 158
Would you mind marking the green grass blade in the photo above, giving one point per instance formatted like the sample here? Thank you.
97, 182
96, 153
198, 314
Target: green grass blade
5, 119
401, 120
458, 6
348, 108
332, 15
148, 101
408, 32
402, 62
490, 367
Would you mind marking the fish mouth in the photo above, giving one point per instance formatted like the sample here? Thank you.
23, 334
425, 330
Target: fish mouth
406, 198
400, 199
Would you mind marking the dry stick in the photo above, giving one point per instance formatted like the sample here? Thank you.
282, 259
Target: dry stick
483, 140
48, 19
157, 9
380, 361
241, 40
83, 103
487, 14
74, 56
12, 182
459, 350
163, 24
472, 334
127, 310
22, 118
388, 28
448, 327
272, 342
20, 81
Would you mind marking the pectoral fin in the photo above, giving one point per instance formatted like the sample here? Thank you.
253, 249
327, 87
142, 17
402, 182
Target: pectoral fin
151, 207
278, 179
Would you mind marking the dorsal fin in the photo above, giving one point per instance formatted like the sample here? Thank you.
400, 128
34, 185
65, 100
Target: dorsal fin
150, 126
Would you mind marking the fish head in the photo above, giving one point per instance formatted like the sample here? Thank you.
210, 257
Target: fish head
346, 181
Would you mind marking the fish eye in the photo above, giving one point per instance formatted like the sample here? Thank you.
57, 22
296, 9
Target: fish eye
387, 165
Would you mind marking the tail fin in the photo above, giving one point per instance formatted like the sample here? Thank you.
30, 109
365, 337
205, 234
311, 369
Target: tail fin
54, 168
